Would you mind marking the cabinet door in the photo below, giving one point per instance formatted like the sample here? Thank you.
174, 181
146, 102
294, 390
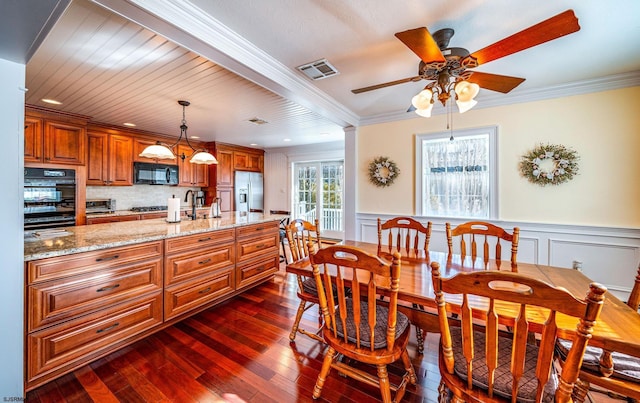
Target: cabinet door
226, 199
240, 160
98, 146
64, 143
32, 139
120, 160
185, 166
200, 174
225, 168
255, 162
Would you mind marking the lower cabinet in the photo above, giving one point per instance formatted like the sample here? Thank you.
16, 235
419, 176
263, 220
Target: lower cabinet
83, 306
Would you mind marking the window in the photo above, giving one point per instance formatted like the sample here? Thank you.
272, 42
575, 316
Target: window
457, 177
317, 191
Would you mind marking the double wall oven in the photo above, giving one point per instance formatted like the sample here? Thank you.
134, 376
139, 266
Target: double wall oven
49, 198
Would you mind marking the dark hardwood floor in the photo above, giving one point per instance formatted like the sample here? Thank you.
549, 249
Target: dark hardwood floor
240, 347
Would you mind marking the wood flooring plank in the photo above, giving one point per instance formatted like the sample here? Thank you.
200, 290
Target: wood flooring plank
95, 387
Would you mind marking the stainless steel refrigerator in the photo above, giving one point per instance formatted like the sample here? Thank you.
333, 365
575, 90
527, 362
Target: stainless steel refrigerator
249, 194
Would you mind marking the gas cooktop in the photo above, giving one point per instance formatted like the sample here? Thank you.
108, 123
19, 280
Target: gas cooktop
149, 208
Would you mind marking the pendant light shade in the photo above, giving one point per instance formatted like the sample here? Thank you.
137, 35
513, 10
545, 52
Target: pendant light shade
203, 157
158, 151
161, 152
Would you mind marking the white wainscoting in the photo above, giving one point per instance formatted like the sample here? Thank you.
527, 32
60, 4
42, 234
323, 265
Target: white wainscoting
607, 255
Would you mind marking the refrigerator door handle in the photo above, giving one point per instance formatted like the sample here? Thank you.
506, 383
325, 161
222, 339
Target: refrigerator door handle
249, 197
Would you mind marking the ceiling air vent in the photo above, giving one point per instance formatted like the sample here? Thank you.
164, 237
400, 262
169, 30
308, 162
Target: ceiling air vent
258, 121
318, 70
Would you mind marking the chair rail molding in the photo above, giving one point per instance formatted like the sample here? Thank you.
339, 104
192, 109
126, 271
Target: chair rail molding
607, 255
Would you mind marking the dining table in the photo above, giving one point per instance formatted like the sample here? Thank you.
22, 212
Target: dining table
617, 328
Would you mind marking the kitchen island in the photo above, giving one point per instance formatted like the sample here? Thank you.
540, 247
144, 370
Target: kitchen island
93, 289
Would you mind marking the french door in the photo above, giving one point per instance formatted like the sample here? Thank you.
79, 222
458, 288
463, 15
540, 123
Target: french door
318, 193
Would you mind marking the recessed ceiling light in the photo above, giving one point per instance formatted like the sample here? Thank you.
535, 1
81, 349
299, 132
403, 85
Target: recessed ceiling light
51, 101
130, 124
253, 144
286, 140
195, 137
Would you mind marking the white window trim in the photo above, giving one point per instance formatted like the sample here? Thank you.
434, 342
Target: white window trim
493, 164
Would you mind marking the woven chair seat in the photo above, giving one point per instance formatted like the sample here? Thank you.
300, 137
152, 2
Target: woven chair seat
380, 329
625, 367
503, 377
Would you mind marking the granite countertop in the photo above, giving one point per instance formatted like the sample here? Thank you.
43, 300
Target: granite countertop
41, 244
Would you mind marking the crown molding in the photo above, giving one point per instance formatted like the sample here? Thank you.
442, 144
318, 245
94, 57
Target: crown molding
187, 25
624, 80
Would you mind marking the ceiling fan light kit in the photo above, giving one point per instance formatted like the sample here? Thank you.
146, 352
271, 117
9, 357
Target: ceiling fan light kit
449, 68
161, 151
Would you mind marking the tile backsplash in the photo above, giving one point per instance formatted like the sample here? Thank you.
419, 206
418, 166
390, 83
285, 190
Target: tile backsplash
139, 195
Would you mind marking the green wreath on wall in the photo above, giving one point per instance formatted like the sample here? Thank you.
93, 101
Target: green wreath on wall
549, 164
383, 171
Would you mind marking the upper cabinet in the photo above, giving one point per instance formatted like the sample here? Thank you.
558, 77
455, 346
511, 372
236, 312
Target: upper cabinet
54, 141
248, 161
196, 175
110, 161
224, 168
140, 143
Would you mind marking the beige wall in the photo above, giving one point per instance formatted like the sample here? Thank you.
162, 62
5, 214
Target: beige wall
603, 127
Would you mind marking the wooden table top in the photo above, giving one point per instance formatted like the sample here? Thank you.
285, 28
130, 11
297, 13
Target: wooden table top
618, 327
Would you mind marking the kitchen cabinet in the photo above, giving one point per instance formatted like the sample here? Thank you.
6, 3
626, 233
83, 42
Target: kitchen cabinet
198, 269
110, 160
54, 142
194, 175
226, 199
85, 305
246, 161
257, 253
224, 168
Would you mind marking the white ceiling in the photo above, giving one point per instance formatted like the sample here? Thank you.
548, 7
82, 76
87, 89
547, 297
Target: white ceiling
243, 54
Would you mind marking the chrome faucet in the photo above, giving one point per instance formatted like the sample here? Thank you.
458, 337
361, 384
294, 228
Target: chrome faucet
193, 203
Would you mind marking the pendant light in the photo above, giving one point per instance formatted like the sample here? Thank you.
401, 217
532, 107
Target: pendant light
162, 152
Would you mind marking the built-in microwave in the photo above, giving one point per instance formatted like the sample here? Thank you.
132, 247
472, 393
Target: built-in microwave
155, 174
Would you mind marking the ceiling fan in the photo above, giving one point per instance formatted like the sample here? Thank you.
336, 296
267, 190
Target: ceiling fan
447, 67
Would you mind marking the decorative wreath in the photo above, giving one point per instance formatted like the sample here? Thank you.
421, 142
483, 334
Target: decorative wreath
549, 164
383, 171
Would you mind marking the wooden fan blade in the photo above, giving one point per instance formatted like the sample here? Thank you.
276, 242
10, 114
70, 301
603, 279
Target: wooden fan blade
495, 82
555, 27
389, 84
420, 41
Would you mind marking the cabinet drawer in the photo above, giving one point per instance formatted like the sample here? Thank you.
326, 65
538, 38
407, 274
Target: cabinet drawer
254, 247
79, 341
254, 230
190, 264
194, 293
72, 297
255, 271
198, 241
62, 266
102, 220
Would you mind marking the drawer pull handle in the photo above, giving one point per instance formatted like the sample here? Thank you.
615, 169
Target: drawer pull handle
108, 288
206, 290
259, 229
260, 246
204, 261
204, 239
106, 329
104, 259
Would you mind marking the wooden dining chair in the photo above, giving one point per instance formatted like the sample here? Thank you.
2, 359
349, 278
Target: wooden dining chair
613, 371
488, 234
408, 237
359, 326
301, 236
482, 364
283, 233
